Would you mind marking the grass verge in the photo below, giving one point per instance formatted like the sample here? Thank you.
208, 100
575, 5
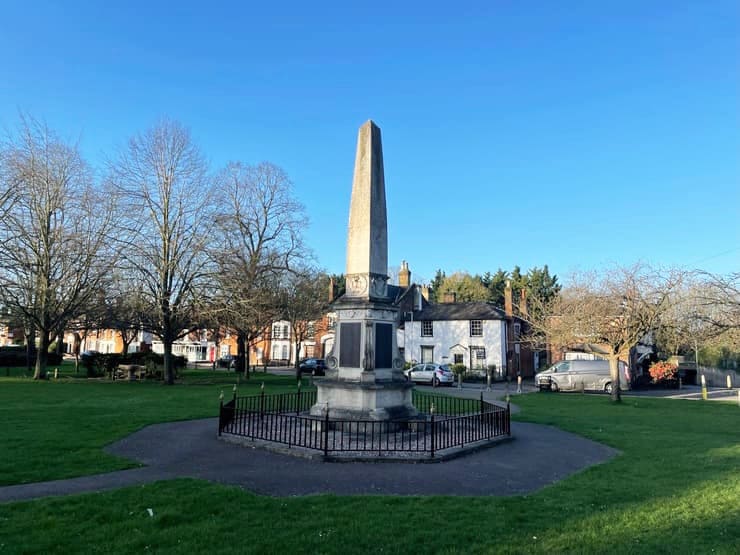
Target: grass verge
674, 489
57, 429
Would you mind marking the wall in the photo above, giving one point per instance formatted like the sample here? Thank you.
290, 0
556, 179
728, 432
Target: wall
449, 333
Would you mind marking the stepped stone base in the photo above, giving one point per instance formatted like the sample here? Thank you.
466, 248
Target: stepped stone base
352, 400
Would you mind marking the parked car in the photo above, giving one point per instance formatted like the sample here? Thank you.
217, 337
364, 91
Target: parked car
589, 375
316, 366
434, 374
227, 361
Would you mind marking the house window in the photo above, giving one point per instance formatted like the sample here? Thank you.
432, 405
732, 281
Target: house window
458, 358
286, 332
427, 329
476, 328
276, 332
427, 354
285, 353
477, 357
310, 330
275, 352
517, 330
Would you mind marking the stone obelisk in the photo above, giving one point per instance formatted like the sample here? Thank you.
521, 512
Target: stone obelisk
364, 379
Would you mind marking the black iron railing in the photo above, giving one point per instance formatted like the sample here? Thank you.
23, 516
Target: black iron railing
443, 423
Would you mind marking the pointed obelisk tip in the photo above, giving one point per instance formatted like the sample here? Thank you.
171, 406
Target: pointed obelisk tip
370, 123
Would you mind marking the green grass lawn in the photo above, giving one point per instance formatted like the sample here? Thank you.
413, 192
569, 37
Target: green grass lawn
674, 489
57, 428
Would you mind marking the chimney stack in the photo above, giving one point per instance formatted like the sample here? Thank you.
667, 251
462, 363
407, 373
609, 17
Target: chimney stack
404, 275
523, 309
449, 297
508, 300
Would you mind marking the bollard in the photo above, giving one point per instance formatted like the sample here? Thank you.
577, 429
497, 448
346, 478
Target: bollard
220, 412
729, 382
738, 397
519, 384
56, 374
703, 388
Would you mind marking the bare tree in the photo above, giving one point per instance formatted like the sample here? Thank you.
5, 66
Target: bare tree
259, 233
165, 228
303, 301
718, 304
123, 309
54, 234
705, 312
610, 312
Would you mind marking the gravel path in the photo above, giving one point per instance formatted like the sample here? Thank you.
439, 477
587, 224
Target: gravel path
538, 456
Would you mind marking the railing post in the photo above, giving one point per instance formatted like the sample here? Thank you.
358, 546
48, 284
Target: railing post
220, 412
262, 400
298, 403
431, 411
508, 419
326, 431
481, 402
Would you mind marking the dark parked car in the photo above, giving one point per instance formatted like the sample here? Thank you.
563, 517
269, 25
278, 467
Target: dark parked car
316, 366
227, 361
87, 355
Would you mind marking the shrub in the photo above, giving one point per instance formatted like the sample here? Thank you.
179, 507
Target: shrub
93, 363
16, 356
663, 371
54, 358
458, 369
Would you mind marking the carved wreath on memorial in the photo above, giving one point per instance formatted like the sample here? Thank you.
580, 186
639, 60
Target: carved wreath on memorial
358, 285
332, 363
397, 363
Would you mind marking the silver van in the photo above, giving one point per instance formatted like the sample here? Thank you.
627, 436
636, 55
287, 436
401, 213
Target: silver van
589, 375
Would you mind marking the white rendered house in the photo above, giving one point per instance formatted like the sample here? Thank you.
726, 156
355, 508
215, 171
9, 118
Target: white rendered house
473, 334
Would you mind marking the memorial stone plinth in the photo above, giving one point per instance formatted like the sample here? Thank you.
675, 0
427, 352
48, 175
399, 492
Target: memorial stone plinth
364, 379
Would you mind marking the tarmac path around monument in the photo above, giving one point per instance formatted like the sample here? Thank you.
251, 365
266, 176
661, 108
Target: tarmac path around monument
539, 456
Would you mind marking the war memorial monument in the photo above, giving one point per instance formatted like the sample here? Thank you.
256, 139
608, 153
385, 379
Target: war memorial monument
364, 378
364, 408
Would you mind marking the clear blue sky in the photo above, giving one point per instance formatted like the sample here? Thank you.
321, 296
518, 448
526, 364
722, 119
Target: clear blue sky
574, 134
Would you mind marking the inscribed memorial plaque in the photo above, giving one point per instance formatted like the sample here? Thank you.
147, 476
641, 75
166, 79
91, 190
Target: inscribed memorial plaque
349, 345
383, 345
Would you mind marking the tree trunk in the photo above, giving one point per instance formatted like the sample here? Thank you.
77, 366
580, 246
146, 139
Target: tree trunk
77, 342
297, 348
169, 370
614, 372
126, 341
41, 357
246, 359
30, 346
241, 341
60, 341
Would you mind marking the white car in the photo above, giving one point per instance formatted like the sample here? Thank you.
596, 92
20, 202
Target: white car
434, 374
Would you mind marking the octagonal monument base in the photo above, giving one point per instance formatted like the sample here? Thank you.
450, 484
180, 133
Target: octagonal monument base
369, 400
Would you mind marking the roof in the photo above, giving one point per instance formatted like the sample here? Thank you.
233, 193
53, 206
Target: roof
395, 292
460, 311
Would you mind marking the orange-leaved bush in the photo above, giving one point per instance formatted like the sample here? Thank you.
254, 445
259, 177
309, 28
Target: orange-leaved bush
660, 371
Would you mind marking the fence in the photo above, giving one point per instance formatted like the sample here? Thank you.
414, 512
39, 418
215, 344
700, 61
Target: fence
444, 423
